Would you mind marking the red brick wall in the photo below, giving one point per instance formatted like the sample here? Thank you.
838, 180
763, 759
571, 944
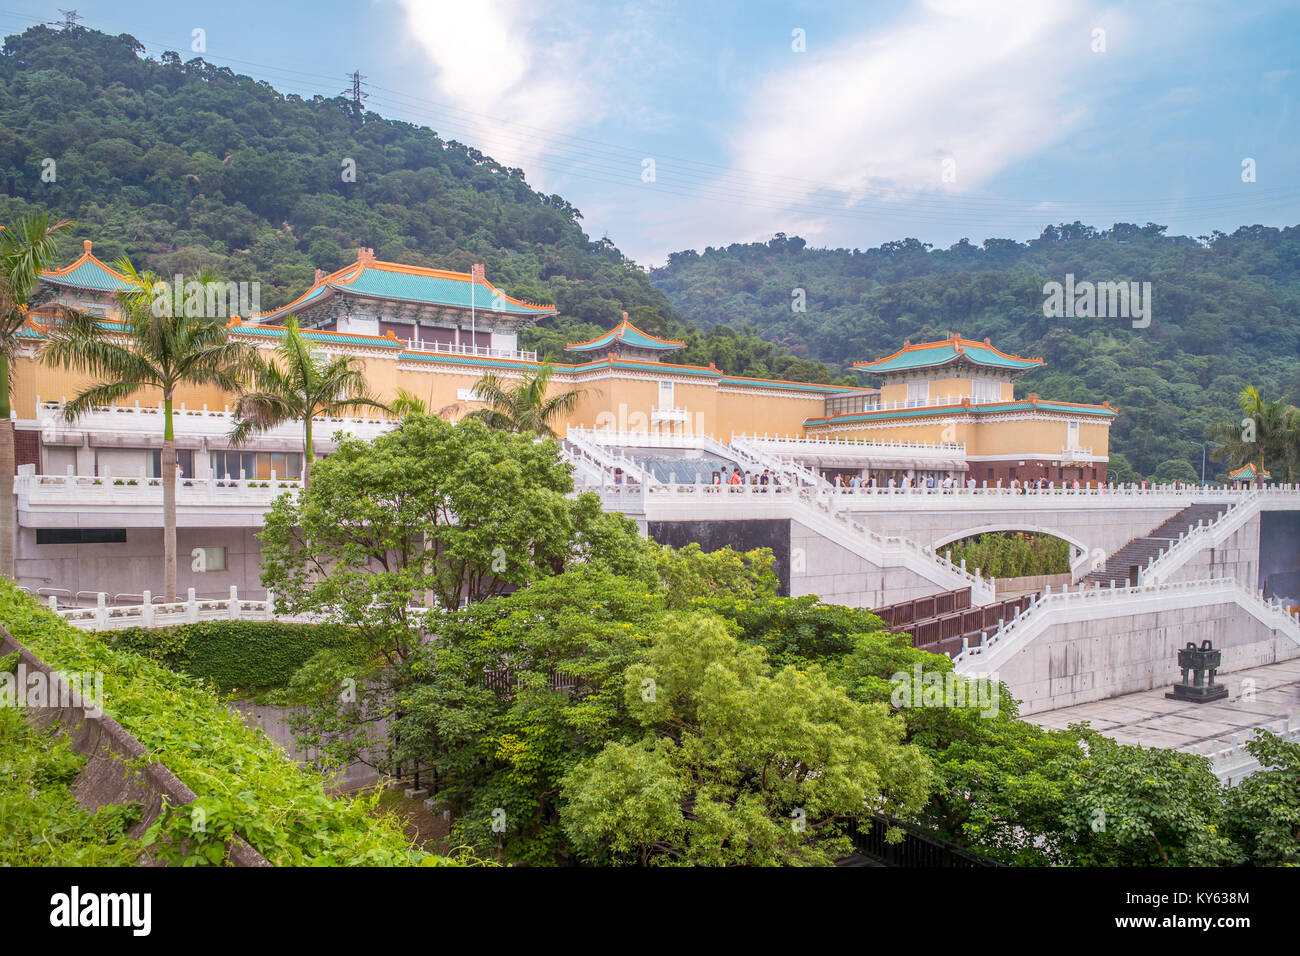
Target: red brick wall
27, 448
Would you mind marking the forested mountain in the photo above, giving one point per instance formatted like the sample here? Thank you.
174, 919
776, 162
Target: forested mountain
184, 164
1226, 313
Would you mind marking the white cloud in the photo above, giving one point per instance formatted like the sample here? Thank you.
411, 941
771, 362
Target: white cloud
524, 73
874, 116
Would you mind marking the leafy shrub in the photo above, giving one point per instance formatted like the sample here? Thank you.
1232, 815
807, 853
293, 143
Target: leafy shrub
42, 823
250, 655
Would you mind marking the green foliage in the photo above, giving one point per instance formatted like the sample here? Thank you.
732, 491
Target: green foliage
1013, 554
521, 404
1264, 809
1144, 806
690, 574
43, 823
238, 774
249, 656
297, 386
1268, 435
740, 764
514, 692
1224, 315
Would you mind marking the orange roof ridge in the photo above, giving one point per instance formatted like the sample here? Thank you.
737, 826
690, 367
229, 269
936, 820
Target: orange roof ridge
86, 256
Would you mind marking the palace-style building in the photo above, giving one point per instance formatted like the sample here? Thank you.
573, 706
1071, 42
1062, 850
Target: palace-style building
945, 408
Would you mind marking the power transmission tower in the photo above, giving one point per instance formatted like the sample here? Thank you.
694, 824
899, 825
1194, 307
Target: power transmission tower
354, 92
70, 18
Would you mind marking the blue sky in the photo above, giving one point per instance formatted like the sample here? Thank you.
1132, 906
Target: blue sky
935, 118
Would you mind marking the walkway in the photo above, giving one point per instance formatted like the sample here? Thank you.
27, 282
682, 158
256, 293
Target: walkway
1149, 719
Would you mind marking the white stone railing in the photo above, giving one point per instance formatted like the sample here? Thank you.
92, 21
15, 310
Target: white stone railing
76, 491
765, 457
796, 444
482, 351
580, 441
818, 511
1001, 497
1231, 760
1011, 636
106, 617
211, 423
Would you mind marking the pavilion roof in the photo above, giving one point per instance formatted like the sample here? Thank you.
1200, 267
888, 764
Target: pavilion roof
376, 278
948, 351
628, 334
88, 272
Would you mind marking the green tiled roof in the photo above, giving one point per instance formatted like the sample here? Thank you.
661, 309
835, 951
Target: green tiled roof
628, 334
789, 386
408, 284
90, 273
1247, 472
414, 287
289, 309
993, 408
933, 354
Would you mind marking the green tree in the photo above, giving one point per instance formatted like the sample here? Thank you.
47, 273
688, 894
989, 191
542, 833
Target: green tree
762, 766
514, 693
148, 350
27, 248
1145, 806
394, 534
1264, 808
1266, 435
299, 386
522, 405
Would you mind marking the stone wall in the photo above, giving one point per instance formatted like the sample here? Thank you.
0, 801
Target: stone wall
138, 565
117, 767
1076, 661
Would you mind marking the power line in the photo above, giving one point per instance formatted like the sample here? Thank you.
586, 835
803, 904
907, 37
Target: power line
70, 19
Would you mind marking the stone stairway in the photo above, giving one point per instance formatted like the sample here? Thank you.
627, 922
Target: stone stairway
1120, 566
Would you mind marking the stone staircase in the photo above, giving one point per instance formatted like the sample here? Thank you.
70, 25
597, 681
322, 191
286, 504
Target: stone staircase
1119, 568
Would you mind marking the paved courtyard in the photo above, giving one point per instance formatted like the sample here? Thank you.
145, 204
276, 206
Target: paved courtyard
1267, 696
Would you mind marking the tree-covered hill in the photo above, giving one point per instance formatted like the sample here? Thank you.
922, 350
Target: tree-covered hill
180, 165
1226, 313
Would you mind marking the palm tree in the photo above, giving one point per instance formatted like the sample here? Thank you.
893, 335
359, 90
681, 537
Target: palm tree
298, 387
522, 406
149, 350
27, 249
1269, 436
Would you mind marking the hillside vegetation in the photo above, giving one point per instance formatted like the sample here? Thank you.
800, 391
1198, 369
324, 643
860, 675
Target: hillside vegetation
1225, 314
181, 165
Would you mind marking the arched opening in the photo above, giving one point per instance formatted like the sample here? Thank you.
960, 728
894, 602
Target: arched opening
1015, 553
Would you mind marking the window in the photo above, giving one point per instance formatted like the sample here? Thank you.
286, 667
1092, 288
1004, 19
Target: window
256, 465
918, 393
666, 395
1072, 441
208, 559
81, 536
986, 390
184, 458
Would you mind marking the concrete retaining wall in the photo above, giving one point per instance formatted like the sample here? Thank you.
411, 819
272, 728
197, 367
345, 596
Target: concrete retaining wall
1075, 661
118, 768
